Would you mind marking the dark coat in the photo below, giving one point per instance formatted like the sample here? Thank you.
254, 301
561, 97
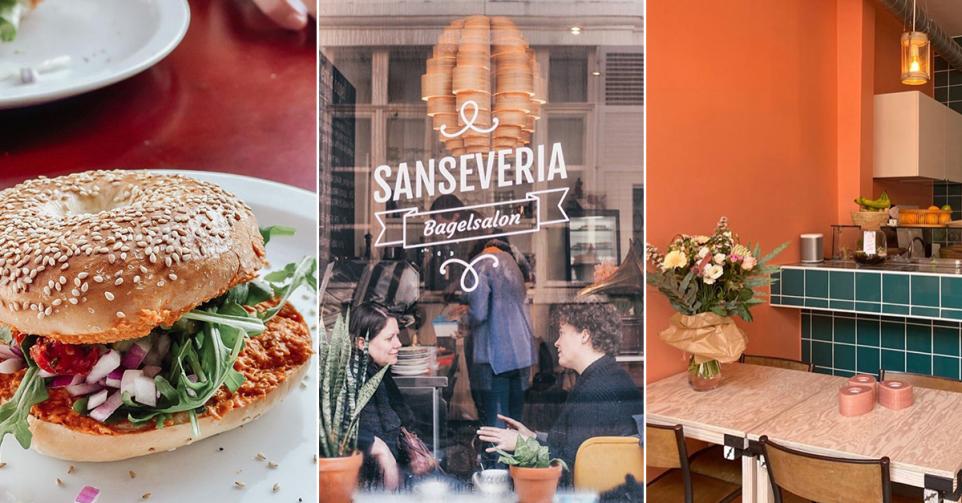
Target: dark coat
601, 403
383, 417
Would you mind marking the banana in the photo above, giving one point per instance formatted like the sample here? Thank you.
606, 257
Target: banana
882, 203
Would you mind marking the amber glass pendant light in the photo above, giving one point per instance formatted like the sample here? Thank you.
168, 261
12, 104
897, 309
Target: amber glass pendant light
916, 55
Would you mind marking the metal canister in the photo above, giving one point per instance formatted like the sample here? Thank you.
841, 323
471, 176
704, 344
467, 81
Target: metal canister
811, 248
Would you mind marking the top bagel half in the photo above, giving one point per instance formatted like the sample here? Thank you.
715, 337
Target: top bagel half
105, 256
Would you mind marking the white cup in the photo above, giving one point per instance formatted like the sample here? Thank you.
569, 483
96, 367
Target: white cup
491, 481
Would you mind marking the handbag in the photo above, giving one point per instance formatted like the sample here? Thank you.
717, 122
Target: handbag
420, 460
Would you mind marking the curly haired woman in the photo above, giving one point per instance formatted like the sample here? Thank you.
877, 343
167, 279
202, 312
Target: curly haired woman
604, 398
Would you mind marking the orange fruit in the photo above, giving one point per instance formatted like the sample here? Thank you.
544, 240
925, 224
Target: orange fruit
945, 218
933, 208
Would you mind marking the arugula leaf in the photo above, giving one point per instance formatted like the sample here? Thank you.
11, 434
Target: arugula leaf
303, 273
275, 230
31, 391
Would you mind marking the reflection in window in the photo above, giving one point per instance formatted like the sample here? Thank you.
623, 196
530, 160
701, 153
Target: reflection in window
355, 66
405, 141
571, 133
352, 142
568, 81
405, 66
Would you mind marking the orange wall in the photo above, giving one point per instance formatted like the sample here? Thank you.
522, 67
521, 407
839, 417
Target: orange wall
741, 113
764, 116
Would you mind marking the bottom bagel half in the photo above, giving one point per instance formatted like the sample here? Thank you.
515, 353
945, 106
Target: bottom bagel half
272, 363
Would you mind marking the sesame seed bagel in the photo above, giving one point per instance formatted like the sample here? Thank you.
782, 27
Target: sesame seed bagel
105, 256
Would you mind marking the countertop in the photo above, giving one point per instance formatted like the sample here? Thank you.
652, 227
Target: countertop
930, 266
237, 95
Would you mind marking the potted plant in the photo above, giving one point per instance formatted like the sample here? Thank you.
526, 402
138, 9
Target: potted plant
344, 392
535, 474
709, 279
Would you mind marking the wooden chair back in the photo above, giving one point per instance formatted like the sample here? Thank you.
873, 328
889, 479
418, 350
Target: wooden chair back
602, 463
773, 361
826, 479
924, 381
665, 446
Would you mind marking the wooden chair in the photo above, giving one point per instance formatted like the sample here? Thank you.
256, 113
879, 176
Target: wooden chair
603, 462
773, 361
798, 476
710, 460
924, 381
665, 448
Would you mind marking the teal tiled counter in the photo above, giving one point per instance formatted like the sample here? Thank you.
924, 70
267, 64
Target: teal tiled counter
863, 320
934, 296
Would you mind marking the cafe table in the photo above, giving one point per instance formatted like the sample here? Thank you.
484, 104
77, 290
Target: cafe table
800, 409
238, 95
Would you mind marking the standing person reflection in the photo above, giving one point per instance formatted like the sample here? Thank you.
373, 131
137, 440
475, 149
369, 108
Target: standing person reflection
602, 401
501, 336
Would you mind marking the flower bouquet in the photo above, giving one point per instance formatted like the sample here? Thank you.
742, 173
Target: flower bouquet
709, 279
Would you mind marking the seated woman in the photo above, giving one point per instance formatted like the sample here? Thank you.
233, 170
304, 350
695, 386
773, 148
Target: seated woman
602, 401
381, 435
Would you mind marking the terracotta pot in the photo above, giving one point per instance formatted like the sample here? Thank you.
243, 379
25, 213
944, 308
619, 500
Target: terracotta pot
536, 485
338, 478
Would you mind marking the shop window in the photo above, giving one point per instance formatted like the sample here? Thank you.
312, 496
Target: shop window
570, 131
352, 142
405, 141
568, 82
355, 66
405, 66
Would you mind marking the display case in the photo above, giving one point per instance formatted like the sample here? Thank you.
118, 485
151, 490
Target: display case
593, 238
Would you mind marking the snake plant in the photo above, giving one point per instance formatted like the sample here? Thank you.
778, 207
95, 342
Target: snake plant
344, 388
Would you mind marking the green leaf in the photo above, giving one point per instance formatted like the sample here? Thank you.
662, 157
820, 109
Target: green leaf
6, 336
275, 230
80, 406
31, 391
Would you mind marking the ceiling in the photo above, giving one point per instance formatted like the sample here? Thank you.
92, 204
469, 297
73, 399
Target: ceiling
946, 13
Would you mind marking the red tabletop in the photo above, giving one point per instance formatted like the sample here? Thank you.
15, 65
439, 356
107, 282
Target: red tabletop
237, 95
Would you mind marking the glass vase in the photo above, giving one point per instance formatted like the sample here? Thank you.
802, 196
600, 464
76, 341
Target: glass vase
704, 376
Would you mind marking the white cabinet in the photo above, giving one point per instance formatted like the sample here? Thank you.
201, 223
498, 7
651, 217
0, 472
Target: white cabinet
916, 137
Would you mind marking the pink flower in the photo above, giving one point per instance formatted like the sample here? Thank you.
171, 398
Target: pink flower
749, 263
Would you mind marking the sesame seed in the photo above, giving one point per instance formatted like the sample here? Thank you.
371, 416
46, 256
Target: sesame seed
120, 281
146, 496
132, 474
73, 300
82, 276
2, 465
120, 314
71, 469
59, 482
260, 457
172, 276
271, 464
238, 484
109, 295
277, 487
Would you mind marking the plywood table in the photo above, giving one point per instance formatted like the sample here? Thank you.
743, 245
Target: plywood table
924, 439
750, 395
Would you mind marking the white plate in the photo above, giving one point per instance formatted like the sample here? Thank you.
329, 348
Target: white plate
287, 435
107, 40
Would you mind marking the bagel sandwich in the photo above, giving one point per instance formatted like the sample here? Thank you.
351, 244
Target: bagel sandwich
133, 319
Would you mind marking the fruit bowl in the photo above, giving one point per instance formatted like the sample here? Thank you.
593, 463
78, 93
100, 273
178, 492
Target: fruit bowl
870, 219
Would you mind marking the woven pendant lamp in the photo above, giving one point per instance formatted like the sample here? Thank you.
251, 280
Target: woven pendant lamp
482, 81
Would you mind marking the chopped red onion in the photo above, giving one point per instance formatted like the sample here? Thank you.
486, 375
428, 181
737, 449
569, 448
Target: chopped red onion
6, 352
151, 370
145, 391
134, 356
87, 495
83, 389
63, 381
107, 408
16, 350
46, 375
105, 365
127, 381
12, 365
96, 399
